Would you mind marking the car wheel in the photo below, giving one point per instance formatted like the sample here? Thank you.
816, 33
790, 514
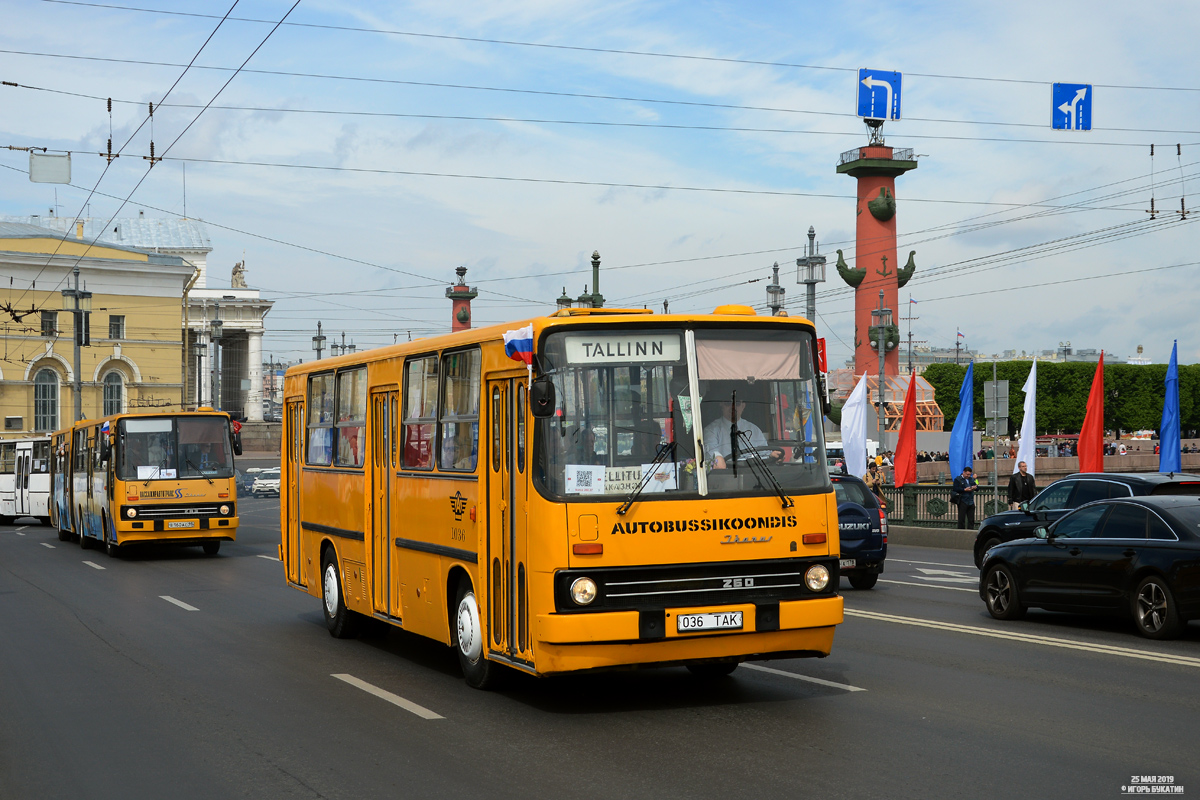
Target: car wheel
712, 669
1000, 594
467, 635
211, 548
341, 621
1154, 610
864, 580
988, 544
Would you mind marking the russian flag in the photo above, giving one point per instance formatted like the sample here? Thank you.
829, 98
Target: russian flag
518, 344
961, 335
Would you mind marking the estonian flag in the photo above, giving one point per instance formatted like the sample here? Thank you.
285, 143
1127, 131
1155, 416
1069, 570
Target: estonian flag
518, 344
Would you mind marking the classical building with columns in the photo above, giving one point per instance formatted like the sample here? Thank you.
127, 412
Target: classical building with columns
221, 328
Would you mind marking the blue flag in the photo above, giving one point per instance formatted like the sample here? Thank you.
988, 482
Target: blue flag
962, 439
1168, 435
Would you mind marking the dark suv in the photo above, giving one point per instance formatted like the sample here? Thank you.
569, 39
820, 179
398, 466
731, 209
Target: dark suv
862, 529
1071, 492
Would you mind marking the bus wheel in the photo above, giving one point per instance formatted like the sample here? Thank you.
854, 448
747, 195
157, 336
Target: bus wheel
211, 548
466, 634
339, 619
711, 669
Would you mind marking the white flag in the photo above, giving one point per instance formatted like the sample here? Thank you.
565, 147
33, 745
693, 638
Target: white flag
1027, 449
854, 429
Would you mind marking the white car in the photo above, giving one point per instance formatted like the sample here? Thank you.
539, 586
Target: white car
266, 483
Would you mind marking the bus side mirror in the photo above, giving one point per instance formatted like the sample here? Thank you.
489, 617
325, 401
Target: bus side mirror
105, 448
826, 406
541, 398
236, 440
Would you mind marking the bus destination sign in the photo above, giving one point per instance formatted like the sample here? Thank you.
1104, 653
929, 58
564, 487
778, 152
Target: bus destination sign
622, 348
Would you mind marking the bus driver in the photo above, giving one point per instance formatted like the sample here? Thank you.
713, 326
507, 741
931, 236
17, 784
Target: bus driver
717, 444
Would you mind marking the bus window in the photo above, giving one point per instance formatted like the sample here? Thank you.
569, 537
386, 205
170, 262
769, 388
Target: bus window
460, 411
320, 420
420, 412
147, 449
8, 458
351, 417
41, 457
204, 447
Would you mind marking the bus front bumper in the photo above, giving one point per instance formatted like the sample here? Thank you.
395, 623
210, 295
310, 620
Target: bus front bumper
571, 642
177, 530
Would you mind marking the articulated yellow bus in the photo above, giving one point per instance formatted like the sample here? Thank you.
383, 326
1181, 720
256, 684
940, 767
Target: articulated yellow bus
139, 478
652, 490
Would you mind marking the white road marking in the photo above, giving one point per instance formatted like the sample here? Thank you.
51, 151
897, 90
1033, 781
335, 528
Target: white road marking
93, 565
47, 544
821, 681
930, 563
382, 694
179, 603
269, 558
929, 586
945, 575
19, 533
1030, 638
23, 527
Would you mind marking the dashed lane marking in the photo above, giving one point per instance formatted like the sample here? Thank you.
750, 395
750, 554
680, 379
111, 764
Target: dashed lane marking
268, 558
929, 585
383, 694
1030, 638
179, 603
930, 563
23, 527
19, 533
93, 565
47, 544
845, 686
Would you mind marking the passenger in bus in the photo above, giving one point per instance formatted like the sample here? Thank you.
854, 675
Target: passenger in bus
718, 446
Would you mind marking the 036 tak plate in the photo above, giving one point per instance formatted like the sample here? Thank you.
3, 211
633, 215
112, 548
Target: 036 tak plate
847, 563
719, 621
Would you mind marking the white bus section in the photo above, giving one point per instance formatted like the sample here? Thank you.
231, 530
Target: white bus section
25, 479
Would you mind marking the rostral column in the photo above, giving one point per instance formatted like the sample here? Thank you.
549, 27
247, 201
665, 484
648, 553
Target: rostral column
875, 264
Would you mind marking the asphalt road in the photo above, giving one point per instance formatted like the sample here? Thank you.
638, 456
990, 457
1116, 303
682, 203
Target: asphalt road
227, 689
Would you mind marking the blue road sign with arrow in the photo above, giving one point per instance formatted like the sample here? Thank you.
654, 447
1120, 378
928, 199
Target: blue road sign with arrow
878, 94
1072, 107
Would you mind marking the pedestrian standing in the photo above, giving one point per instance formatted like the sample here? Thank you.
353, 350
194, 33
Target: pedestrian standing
963, 493
1021, 487
874, 481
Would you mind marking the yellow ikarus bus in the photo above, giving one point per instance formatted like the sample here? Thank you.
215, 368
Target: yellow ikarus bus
651, 490
139, 478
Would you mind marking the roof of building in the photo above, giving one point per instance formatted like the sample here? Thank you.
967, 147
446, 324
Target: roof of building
20, 230
146, 233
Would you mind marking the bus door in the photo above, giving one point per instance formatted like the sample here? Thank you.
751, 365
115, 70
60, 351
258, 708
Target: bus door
21, 485
293, 440
508, 548
384, 406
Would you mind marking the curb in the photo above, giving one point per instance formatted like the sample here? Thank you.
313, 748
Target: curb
945, 538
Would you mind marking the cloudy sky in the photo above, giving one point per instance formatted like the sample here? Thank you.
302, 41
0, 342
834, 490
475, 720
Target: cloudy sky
368, 149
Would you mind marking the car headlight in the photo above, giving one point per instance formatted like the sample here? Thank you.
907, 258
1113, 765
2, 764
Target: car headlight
224, 511
817, 577
131, 512
583, 591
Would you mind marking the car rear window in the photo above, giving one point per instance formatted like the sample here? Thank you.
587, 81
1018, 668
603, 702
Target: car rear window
1189, 516
850, 492
1178, 487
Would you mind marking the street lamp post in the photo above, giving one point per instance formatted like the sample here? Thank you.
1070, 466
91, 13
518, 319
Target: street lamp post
882, 317
79, 303
215, 332
775, 292
810, 270
318, 342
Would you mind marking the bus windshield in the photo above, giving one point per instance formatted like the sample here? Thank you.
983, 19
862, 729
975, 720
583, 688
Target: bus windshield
154, 448
624, 402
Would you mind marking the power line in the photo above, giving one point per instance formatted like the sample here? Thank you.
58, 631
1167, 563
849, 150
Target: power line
613, 51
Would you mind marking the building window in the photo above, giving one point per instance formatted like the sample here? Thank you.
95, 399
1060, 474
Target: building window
49, 323
45, 400
116, 326
114, 393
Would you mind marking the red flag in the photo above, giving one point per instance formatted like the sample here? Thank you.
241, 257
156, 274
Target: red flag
905, 462
1091, 436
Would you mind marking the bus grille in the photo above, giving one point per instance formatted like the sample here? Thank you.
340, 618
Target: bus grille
174, 511
673, 586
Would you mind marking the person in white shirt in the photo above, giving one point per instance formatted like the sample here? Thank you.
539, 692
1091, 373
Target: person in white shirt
717, 444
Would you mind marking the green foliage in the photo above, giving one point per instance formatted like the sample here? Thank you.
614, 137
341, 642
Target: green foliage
1133, 394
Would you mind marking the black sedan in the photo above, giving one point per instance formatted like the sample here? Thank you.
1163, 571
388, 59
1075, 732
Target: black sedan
862, 529
1072, 492
1138, 557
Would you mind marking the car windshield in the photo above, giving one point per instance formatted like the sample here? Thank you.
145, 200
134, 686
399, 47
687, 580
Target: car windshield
154, 448
623, 395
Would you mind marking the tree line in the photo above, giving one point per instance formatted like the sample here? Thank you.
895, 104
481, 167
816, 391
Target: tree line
1133, 394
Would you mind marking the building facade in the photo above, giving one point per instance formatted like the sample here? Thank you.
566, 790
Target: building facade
134, 360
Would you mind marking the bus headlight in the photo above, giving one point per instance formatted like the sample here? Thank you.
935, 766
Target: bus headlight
583, 591
131, 512
224, 511
817, 577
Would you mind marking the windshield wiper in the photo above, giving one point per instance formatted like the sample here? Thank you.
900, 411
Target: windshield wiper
760, 468
189, 462
664, 449
154, 474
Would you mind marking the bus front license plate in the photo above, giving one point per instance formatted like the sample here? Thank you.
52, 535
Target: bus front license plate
181, 524
722, 621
